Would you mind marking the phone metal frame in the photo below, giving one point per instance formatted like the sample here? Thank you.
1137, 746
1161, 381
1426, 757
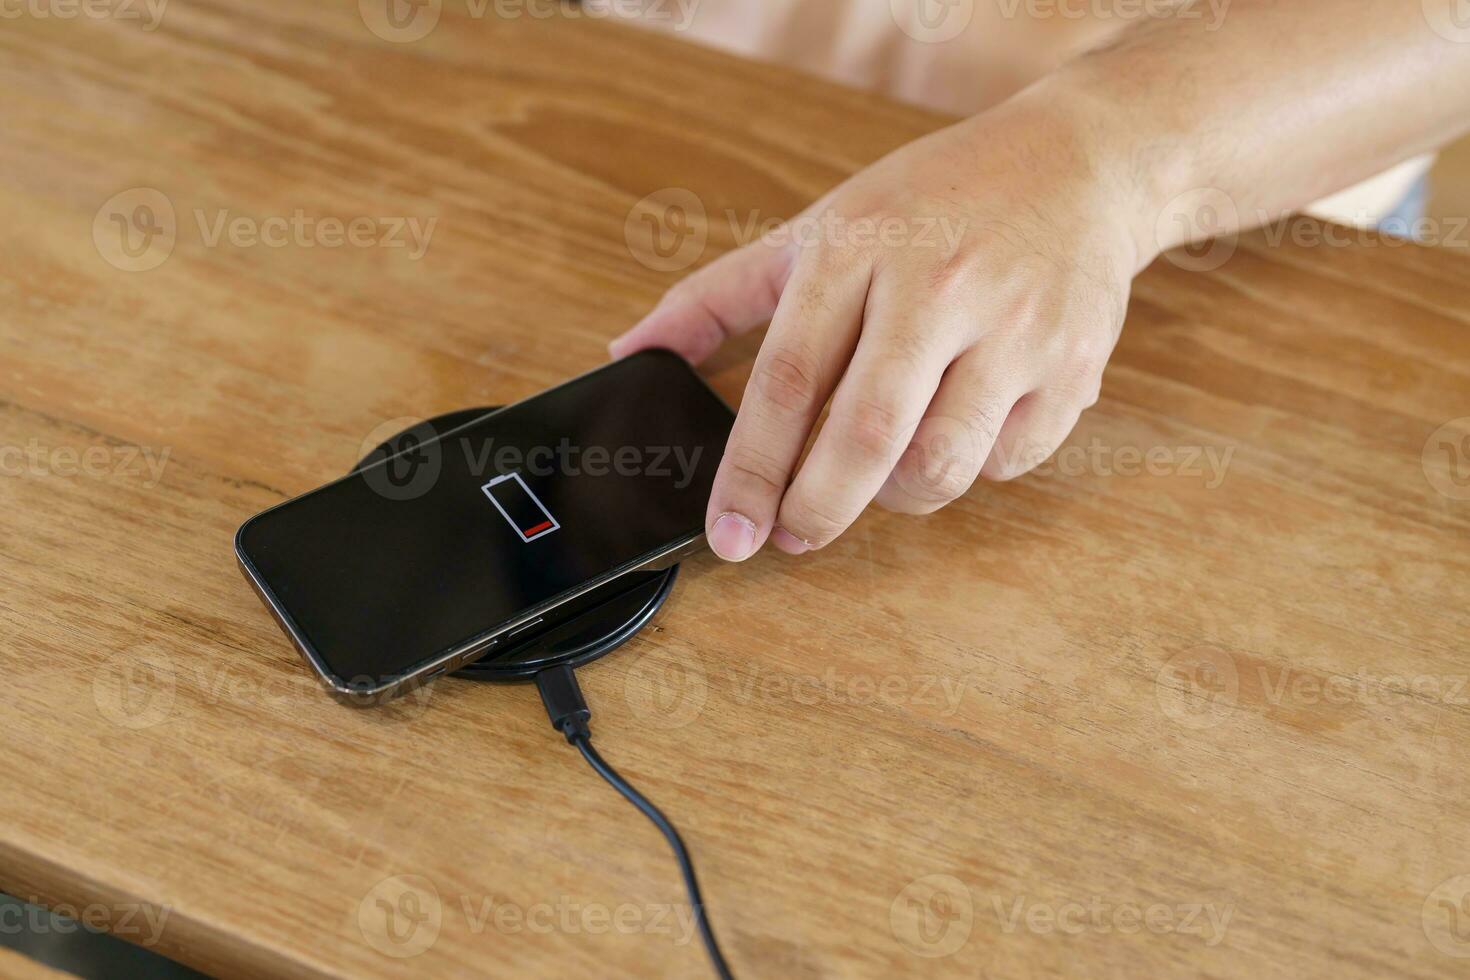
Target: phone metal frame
364, 692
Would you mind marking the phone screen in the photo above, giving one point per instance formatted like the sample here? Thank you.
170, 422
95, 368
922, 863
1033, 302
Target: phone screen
457, 536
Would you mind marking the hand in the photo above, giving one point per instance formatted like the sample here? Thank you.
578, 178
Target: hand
957, 301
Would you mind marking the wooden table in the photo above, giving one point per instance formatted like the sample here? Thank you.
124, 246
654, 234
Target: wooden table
1200, 712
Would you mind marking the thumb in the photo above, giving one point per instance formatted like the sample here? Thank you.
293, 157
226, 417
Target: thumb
733, 294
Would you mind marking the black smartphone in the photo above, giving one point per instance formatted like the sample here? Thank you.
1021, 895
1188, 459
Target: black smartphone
425, 560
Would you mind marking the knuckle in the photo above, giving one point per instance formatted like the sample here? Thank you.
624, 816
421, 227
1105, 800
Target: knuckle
952, 477
1077, 377
940, 465
1078, 387
937, 477
983, 420
787, 379
835, 256
685, 290
872, 428
908, 348
1090, 360
692, 289
1087, 355
956, 279
775, 277
1023, 457
757, 467
812, 522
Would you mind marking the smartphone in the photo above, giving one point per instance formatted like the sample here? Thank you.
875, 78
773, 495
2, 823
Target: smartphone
427, 559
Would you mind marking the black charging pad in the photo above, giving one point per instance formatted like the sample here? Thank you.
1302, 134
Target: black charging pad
577, 633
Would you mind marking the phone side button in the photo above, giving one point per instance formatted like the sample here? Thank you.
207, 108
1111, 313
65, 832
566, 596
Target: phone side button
525, 626
469, 657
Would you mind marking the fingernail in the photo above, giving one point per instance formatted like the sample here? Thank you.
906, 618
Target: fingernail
789, 542
733, 536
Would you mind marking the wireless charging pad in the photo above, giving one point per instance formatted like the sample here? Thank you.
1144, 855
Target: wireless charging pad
592, 625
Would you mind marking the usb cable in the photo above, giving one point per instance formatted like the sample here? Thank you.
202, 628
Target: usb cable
570, 715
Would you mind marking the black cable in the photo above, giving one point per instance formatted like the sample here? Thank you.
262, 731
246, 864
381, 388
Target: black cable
681, 853
569, 713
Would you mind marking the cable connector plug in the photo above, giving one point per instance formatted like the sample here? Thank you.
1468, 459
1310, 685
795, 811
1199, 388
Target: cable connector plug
570, 715
565, 705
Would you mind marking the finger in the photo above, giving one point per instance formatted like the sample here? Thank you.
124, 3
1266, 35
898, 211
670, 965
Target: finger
900, 359
1034, 430
735, 293
960, 426
811, 338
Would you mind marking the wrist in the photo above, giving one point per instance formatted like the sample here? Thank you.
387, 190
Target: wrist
1135, 168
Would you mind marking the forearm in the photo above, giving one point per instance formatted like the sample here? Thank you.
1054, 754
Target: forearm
1281, 104
935, 365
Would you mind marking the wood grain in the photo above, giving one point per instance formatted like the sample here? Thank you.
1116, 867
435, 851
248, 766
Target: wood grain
18, 967
1085, 690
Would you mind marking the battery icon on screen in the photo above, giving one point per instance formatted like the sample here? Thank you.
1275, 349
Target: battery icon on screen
520, 507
